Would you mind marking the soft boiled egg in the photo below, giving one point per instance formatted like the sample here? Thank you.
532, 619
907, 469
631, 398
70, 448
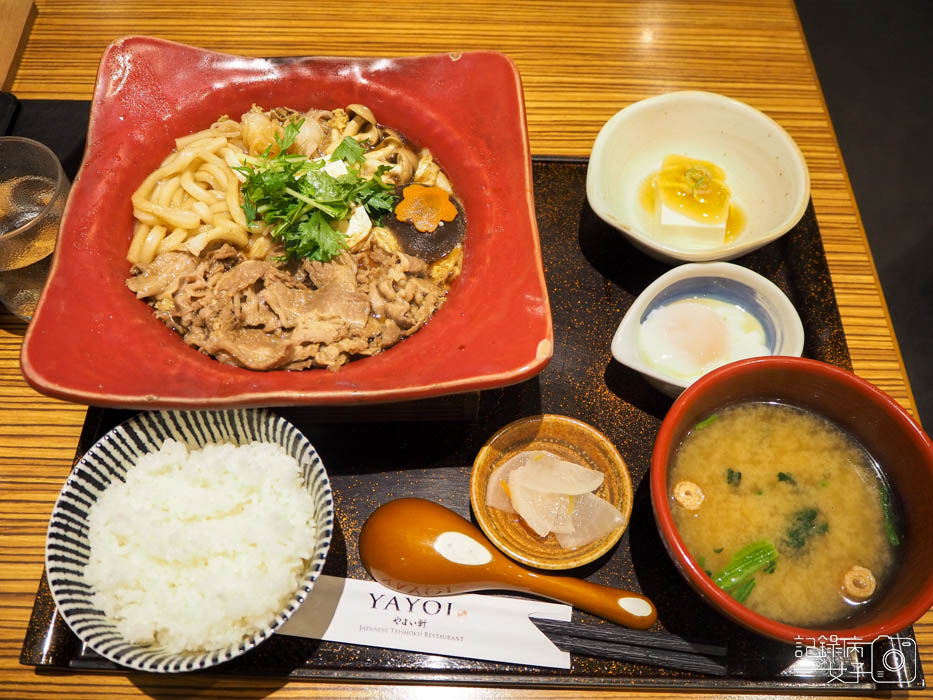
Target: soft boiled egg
690, 337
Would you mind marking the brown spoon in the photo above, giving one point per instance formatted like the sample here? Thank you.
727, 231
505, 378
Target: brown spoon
419, 547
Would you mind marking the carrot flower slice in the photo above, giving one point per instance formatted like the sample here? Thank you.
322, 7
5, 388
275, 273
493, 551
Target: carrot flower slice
425, 207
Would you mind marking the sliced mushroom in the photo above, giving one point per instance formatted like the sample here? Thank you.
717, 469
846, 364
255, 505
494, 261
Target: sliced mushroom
383, 154
283, 115
386, 149
369, 167
405, 163
369, 137
393, 152
362, 125
361, 115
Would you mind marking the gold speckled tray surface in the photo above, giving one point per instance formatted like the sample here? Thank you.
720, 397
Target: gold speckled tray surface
593, 276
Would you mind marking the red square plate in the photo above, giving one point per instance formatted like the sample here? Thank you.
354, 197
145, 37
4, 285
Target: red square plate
92, 341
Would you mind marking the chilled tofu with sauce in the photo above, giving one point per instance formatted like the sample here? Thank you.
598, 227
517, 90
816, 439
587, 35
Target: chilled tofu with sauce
674, 225
689, 202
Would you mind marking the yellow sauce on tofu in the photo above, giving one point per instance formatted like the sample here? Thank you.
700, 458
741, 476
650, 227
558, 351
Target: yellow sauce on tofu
735, 222
696, 189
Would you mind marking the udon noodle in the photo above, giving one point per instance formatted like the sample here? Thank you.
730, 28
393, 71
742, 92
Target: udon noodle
193, 199
221, 270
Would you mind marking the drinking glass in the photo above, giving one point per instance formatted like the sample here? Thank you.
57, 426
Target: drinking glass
33, 189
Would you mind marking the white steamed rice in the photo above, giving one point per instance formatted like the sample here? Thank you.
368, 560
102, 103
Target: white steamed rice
197, 550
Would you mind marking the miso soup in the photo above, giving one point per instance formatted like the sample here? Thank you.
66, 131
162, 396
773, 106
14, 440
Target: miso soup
785, 511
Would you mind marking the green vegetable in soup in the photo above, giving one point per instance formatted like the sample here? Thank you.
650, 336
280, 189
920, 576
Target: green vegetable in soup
741, 593
805, 524
733, 477
705, 422
737, 579
784, 476
887, 510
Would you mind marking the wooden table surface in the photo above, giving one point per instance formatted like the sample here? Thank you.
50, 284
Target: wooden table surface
580, 62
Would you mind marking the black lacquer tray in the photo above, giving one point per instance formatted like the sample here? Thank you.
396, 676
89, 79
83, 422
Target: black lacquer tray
593, 276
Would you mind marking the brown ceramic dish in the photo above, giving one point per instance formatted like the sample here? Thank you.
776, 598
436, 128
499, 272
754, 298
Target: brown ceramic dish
884, 429
569, 439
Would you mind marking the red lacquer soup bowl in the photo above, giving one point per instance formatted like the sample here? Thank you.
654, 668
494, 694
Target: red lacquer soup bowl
93, 342
898, 444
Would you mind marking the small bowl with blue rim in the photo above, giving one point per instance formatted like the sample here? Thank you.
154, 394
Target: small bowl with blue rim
733, 292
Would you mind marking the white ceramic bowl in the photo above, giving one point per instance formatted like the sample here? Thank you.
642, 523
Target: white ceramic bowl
67, 549
764, 168
724, 281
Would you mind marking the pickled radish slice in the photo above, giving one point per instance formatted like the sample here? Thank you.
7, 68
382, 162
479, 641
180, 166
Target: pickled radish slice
553, 495
547, 473
496, 494
544, 512
593, 517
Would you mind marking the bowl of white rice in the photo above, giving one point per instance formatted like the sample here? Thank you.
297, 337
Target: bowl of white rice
183, 539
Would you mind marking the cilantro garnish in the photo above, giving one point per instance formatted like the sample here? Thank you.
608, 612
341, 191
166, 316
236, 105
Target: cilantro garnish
291, 132
301, 202
349, 151
316, 239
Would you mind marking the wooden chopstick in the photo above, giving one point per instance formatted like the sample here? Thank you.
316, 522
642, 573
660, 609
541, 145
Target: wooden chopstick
648, 648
